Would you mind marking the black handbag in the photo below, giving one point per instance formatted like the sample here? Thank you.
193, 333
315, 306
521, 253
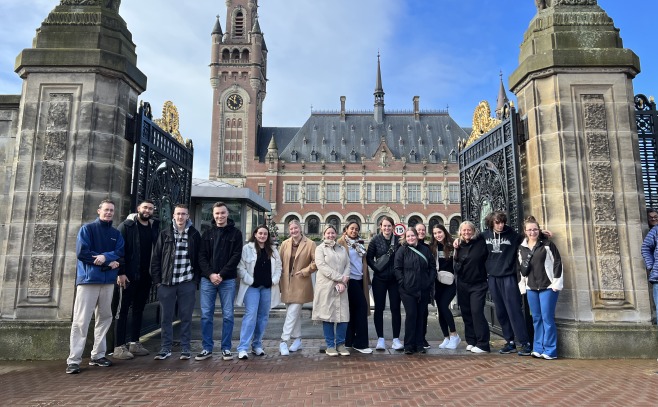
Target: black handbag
382, 261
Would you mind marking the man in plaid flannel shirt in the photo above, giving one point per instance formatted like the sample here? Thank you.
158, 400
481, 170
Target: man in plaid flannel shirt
175, 272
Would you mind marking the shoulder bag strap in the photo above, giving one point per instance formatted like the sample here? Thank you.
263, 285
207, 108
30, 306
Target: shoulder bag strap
420, 254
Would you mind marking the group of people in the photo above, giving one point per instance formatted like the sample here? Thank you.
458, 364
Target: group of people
117, 267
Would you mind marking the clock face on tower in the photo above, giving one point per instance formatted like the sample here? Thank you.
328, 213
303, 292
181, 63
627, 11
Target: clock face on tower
234, 102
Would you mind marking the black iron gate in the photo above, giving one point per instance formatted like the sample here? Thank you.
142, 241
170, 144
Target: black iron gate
646, 117
489, 175
162, 172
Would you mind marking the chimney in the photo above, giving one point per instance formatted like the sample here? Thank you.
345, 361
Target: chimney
342, 108
416, 108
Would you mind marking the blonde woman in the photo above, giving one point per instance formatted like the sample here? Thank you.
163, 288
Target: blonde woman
330, 301
469, 266
298, 258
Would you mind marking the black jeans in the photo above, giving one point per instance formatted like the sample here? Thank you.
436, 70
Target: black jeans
443, 295
471, 300
135, 295
357, 328
379, 289
415, 309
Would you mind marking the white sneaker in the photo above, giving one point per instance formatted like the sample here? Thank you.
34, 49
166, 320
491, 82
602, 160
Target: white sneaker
397, 345
443, 344
469, 347
381, 344
453, 342
364, 350
283, 348
297, 345
243, 355
475, 349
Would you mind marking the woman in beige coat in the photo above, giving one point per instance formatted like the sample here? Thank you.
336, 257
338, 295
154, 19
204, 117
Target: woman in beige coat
298, 258
330, 303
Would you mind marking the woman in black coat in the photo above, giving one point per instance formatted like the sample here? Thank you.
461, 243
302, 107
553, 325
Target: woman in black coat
415, 271
469, 266
383, 282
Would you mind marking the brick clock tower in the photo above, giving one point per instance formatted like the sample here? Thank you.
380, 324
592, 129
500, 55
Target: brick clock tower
238, 78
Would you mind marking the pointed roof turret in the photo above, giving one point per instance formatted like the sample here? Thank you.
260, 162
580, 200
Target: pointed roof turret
502, 99
379, 94
272, 145
217, 29
256, 29
379, 90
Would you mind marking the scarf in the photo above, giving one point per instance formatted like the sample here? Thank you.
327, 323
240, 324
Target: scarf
329, 242
357, 245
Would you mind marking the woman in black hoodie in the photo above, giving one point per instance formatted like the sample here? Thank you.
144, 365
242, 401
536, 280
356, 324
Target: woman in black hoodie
469, 265
415, 271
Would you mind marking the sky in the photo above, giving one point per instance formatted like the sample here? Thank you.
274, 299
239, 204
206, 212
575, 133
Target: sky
448, 52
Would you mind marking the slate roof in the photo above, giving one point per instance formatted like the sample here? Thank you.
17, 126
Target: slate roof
360, 135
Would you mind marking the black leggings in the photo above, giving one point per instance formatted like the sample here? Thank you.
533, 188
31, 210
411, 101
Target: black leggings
379, 289
443, 294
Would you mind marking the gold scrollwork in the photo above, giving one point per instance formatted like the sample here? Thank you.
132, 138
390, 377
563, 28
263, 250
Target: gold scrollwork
170, 121
482, 122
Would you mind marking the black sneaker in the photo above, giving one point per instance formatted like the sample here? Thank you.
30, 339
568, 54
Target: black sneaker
508, 348
103, 362
203, 355
408, 351
426, 344
226, 355
163, 354
526, 350
73, 368
185, 355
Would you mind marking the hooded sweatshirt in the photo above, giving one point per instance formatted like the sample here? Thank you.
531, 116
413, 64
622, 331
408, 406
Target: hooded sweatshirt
502, 247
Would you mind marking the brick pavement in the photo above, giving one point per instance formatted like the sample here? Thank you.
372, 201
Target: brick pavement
310, 378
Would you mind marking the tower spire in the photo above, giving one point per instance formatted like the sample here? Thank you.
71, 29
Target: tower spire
502, 97
379, 94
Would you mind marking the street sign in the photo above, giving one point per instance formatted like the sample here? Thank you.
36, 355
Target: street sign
399, 229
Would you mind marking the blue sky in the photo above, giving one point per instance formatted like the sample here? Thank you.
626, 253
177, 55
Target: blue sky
448, 52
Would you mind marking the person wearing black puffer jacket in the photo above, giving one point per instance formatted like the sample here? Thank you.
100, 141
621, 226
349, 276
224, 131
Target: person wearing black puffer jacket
221, 251
415, 272
471, 273
383, 281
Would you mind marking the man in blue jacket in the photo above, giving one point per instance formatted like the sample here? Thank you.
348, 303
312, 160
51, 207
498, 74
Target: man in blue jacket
99, 249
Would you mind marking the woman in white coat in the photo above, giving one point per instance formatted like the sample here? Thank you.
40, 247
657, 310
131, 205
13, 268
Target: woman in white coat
330, 302
259, 270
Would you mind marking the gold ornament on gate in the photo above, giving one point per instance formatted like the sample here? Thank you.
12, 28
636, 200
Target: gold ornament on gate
170, 121
482, 122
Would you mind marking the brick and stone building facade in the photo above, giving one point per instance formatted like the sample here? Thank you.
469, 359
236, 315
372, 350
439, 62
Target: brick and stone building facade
337, 166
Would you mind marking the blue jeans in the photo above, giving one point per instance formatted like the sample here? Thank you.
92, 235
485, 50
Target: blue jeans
542, 306
334, 340
256, 314
209, 291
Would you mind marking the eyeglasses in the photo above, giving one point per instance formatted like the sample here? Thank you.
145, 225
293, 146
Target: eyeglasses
532, 230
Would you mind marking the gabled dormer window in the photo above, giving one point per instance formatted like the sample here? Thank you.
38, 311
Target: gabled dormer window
293, 156
314, 156
353, 156
333, 155
412, 156
433, 157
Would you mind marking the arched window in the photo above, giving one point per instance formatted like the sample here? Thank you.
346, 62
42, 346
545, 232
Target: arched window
226, 54
413, 221
454, 225
433, 221
245, 55
235, 54
334, 221
312, 225
238, 25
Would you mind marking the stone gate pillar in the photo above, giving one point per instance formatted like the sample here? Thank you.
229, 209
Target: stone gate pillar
582, 178
80, 81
